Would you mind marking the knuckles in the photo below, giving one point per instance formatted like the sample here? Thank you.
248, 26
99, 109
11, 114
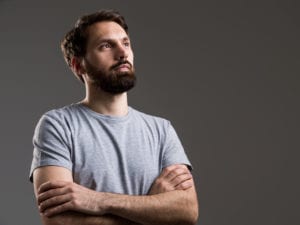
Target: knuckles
186, 184
73, 195
70, 189
168, 169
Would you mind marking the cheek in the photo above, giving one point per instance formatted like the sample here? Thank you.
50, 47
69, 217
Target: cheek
131, 57
102, 61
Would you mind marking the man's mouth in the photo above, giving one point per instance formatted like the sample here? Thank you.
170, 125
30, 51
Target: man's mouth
122, 66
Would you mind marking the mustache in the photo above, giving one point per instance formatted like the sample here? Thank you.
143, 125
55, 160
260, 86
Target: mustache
121, 63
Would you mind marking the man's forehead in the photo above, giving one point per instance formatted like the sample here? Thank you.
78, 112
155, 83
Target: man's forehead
106, 30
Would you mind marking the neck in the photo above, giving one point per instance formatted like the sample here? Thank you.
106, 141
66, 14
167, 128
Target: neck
106, 103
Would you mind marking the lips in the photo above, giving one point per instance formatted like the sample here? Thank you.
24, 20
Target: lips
122, 65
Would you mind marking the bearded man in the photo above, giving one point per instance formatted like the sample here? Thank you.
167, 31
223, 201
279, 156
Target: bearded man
99, 161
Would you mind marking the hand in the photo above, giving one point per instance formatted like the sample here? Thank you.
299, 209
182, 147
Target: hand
175, 177
55, 197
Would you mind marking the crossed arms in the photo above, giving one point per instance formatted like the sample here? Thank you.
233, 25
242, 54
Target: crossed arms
171, 200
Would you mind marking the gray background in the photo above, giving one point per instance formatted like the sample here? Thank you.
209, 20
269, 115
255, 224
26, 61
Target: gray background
226, 73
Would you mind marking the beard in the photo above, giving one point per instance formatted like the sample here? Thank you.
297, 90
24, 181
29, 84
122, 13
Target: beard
112, 81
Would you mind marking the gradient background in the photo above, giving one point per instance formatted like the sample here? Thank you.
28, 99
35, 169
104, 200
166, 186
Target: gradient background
226, 73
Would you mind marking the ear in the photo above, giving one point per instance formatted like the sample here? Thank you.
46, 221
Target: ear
77, 67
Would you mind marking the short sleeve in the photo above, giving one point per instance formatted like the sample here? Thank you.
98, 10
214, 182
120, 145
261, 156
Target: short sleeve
173, 151
51, 144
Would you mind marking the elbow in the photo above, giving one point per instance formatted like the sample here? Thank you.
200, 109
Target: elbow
189, 216
192, 217
50, 221
67, 218
193, 213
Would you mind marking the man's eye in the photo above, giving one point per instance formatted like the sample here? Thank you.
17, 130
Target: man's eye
127, 44
104, 46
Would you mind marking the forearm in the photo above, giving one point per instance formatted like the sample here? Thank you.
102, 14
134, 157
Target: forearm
174, 207
74, 218
163, 206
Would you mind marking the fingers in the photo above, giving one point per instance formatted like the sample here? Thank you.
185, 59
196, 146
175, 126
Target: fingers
59, 196
185, 185
171, 172
171, 168
177, 173
180, 179
51, 193
175, 177
58, 209
54, 202
51, 185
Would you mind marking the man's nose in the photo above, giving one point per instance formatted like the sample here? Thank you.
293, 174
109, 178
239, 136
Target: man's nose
121, 52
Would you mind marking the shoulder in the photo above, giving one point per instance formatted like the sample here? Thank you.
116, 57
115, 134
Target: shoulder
67, 112
62, 112
59, 117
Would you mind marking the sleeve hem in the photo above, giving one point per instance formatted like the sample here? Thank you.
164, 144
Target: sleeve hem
48, 163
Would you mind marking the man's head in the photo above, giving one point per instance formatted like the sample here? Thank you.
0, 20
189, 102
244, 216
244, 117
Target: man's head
98, 50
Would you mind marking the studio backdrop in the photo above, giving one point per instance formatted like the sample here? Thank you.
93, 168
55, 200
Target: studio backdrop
225, 73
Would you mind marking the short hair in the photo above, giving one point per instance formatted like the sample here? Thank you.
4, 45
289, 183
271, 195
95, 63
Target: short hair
75, 41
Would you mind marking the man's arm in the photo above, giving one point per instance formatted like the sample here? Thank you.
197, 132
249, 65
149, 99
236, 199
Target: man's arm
51, 173
173, 207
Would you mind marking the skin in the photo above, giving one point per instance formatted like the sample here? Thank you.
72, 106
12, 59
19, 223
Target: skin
61, 201
103, 54
172, 198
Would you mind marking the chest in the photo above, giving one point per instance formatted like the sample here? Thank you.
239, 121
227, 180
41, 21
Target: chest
121, 158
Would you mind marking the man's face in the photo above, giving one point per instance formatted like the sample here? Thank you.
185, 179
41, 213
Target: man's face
109, 58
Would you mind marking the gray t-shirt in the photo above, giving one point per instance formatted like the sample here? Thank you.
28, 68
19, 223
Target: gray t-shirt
107, 153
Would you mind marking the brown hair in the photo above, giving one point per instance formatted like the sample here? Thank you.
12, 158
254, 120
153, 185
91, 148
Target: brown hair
74, 42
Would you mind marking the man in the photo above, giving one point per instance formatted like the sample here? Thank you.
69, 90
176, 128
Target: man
100, 161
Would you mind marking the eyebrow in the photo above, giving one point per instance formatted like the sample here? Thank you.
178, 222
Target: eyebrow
99, 40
